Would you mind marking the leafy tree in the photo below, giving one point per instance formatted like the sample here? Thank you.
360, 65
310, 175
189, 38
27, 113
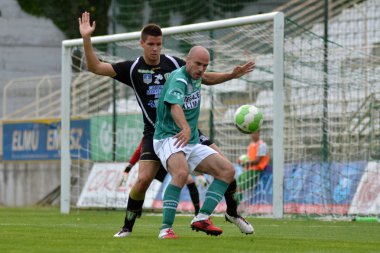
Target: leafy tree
130, 14
63, 13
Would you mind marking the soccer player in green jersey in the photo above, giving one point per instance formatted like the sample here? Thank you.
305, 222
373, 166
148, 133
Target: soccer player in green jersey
176, 143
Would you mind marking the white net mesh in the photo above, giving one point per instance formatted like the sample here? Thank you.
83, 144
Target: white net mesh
332, 113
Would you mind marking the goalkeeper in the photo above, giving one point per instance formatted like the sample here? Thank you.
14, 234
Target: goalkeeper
160, 176
146, 75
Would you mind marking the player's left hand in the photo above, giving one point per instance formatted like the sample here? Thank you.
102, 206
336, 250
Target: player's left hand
241, 70
85, 27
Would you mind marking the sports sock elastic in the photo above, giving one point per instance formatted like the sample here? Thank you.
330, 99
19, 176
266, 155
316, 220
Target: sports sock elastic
134, 209
214, 195
171, 198
194, 195
231, 202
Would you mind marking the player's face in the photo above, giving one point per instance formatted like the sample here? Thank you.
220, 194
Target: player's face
255, 136
197, 65
152, 49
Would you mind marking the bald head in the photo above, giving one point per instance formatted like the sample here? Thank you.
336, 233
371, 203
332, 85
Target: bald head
198, 51
197, 61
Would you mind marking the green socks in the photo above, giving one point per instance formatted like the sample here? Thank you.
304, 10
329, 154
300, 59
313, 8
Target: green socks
171, 198
214, 195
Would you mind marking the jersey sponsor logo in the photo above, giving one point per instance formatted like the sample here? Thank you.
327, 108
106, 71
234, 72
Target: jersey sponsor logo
154, 90
192, 101
166, 75
153, 103
147, 78
145, 71
158, 78
176, 93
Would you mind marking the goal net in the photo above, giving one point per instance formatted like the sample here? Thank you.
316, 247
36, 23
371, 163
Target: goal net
320, 103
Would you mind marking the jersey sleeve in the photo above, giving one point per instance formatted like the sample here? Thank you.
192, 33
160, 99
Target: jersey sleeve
122, 70
180, 61
262, 151
176, 92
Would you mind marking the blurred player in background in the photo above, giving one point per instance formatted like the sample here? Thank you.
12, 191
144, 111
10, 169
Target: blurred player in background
146, 75
256, 162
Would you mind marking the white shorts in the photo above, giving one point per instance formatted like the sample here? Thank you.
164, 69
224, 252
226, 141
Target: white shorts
195, 153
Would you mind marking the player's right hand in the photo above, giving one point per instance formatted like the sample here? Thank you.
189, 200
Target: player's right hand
183, 137
85, 28
126, 174
128, 168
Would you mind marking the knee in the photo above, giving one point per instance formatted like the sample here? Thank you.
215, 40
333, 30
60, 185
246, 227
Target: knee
143, 183
179, 177
225, 173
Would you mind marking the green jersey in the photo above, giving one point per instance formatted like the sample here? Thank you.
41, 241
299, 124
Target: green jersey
182, 90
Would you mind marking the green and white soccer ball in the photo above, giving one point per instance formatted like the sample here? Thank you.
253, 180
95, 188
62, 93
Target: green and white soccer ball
243, 159
248, 119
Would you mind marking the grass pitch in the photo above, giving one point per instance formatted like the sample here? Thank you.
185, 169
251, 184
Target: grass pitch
46, 230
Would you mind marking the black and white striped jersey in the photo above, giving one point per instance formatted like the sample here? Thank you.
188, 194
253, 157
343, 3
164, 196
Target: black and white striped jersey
147, 82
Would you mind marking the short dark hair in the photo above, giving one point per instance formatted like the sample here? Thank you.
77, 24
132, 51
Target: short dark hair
152, 30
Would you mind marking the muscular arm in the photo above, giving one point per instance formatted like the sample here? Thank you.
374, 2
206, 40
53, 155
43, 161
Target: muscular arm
179, 118
212, 78
93, 63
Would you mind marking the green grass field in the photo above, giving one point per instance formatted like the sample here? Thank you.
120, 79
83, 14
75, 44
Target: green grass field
46, 230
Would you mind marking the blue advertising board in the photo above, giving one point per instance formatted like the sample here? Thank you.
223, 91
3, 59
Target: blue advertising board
41, 140
328, 186
322, 183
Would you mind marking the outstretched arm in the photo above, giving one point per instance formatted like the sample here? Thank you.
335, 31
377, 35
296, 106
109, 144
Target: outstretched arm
93, 63
211, 78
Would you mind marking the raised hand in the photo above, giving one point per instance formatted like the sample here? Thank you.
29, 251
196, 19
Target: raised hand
85, 28
241, 70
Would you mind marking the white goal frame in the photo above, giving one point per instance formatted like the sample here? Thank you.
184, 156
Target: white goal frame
278, 96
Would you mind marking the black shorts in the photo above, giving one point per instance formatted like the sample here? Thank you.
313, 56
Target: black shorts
203, 139
148, 154
147, 150
161, 174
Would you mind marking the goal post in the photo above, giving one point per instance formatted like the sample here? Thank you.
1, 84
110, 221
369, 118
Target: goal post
65, 129
226, 61
278, 111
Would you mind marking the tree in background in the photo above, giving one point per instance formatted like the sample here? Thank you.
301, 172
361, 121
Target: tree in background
62, 13
132, 14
